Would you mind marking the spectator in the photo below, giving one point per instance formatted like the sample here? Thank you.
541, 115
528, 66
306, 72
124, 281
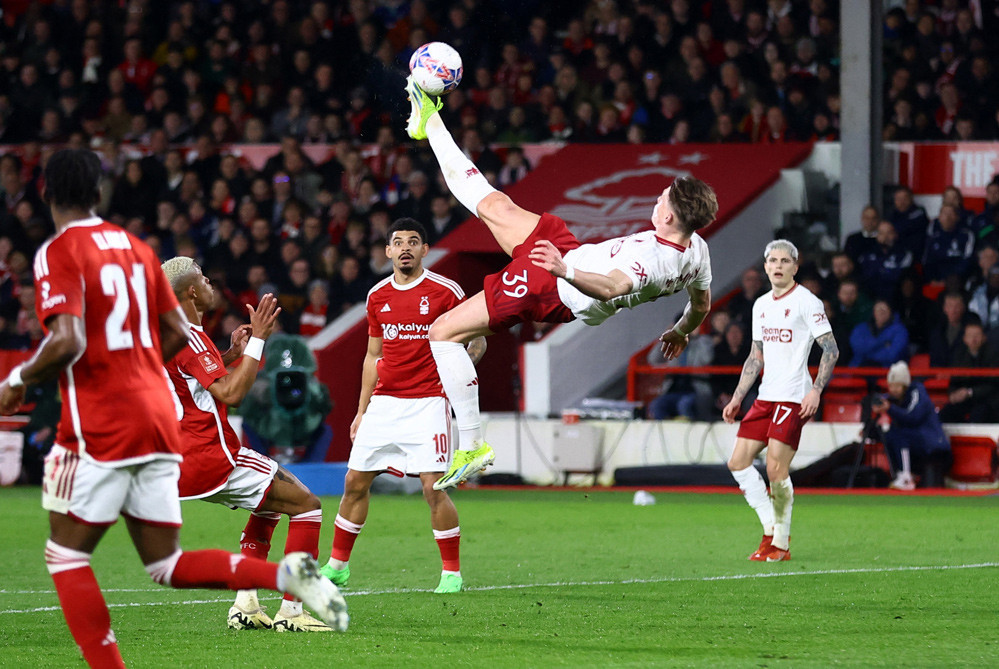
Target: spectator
864, 241
881, 341
732, 350
684, 396
917, 312
984, 301
945, 338
948, 246
985, 226
444, 219
916, 442
841, 268
988, 256
972, 398
881, 269
740, 307
349, 287
910, 221
952, 196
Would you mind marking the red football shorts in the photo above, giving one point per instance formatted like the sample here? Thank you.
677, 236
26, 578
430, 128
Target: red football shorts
773, 420
522, 291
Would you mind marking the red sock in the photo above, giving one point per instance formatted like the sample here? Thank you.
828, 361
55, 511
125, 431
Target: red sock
344, 535
87, 616
222, 571
83, 605
256, 538
303, 535
447, 542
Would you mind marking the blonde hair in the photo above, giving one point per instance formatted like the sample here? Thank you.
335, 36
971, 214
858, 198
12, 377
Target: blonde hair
179, 271
783, 245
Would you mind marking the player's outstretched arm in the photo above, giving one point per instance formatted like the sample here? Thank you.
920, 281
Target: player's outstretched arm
369, 379
476, 349
676, 339
598, 286
66, 341
750, 370
232, 388
830, 354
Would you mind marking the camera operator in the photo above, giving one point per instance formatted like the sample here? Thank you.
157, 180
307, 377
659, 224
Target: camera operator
916, 442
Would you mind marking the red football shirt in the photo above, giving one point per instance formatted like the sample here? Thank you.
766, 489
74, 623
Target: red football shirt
208, 442
402, 316
116, 405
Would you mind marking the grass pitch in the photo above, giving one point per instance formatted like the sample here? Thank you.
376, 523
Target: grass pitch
570, 578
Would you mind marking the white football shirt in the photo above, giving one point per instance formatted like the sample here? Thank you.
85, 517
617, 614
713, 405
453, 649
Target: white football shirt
787, 326
657, 268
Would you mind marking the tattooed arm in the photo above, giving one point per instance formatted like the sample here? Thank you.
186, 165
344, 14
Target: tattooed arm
476, 349
830, 354
750, 370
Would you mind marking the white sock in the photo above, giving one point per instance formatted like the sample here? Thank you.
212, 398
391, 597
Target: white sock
291, 608
336, 564
461, 386
445, 571
755, 491
783, 496
462, 176
906, 464
247, 600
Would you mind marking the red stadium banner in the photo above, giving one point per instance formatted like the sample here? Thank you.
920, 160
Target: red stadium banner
929, 168
609, 190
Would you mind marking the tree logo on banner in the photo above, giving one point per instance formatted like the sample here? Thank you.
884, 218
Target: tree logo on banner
617, 204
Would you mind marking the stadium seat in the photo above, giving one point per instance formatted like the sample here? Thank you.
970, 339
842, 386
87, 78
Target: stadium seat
974, 459
842, 412
920, 362
931, 291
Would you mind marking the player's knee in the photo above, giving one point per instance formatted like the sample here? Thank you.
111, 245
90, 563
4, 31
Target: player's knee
496, 207
433, 497
354, 489
311, 503
442, 329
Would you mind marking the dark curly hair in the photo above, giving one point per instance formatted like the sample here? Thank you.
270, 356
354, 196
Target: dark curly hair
72, 179
407, 224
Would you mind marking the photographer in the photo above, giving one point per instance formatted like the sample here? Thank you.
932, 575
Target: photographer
916, 441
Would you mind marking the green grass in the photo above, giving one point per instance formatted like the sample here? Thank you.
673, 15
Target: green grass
570, 579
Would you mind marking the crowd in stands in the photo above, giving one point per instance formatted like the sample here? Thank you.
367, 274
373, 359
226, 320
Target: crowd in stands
166, 91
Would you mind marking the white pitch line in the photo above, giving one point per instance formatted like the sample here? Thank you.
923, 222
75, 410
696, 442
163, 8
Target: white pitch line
522, 586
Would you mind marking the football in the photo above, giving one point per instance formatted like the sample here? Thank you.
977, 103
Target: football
436, 68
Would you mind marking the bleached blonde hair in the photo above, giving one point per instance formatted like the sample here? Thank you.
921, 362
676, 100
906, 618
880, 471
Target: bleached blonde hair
783, 245
179, 271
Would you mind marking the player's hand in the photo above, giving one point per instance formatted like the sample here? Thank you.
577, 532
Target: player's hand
810, 404
673, 343
10, 398
238, 339
731, 410
354, 424
545, 255
263, 318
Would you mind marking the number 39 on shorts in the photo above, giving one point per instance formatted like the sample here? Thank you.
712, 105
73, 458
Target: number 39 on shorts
517, 281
